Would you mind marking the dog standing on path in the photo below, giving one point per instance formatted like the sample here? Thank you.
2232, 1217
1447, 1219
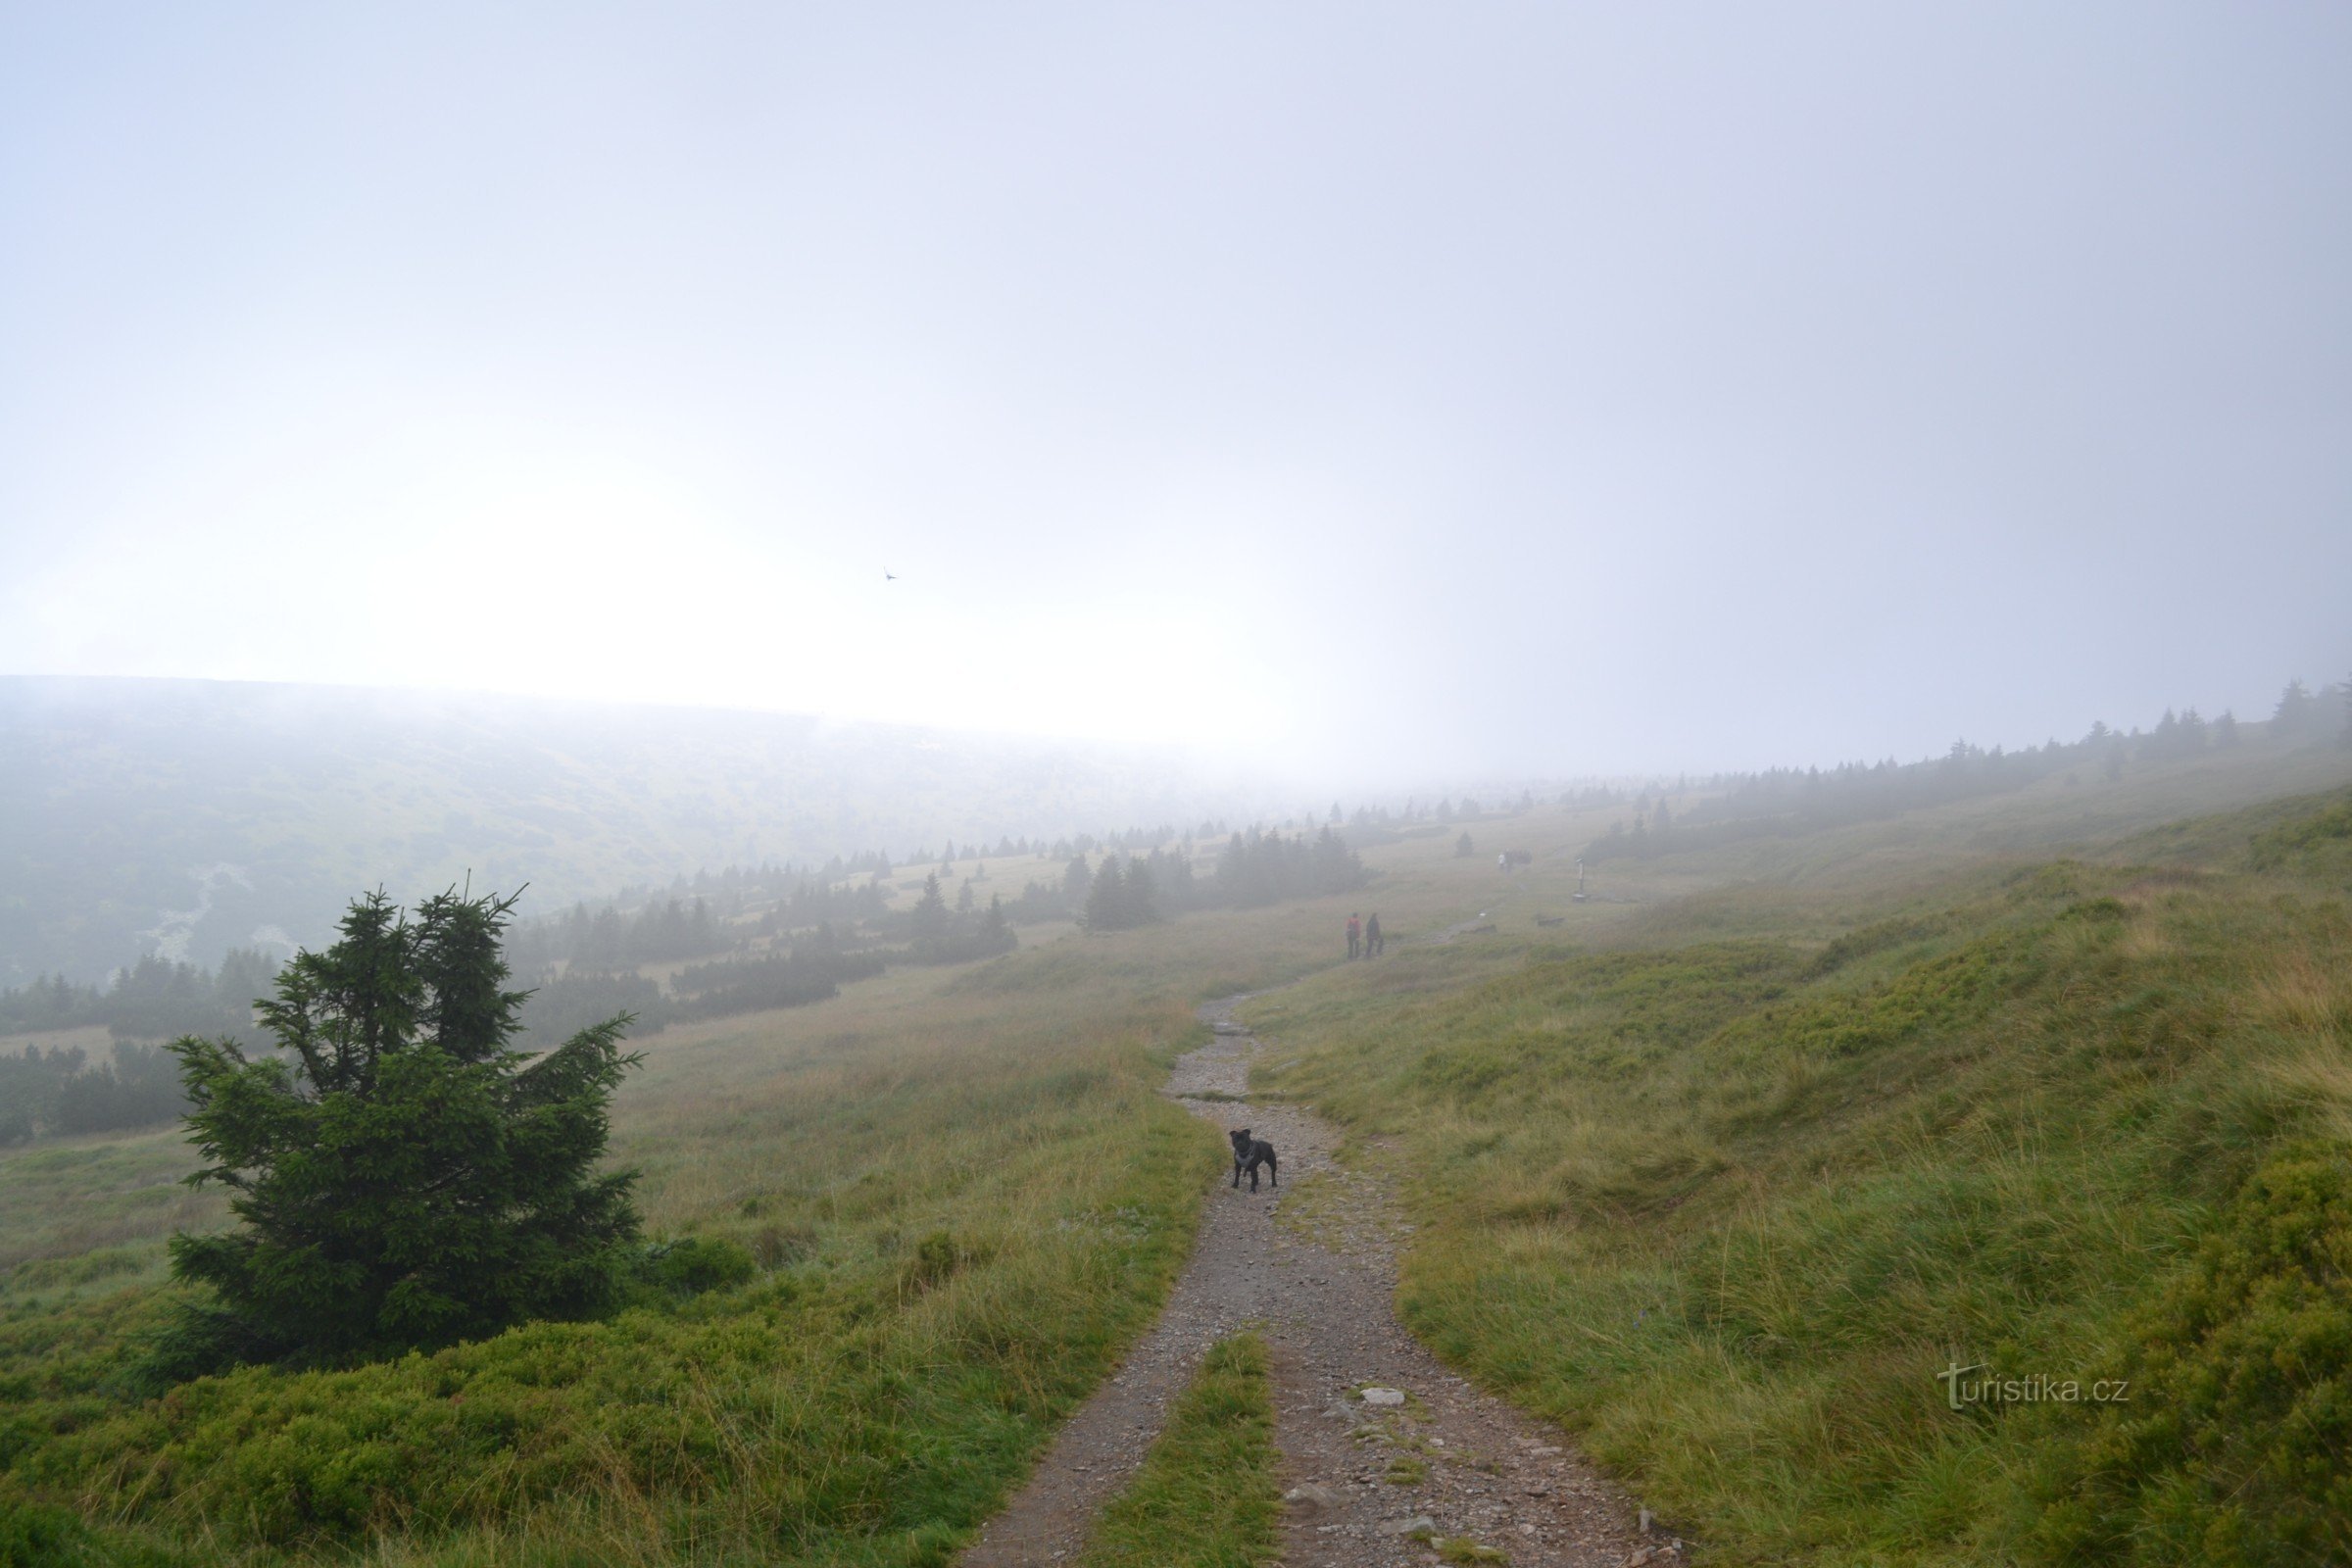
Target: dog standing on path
1251, 1152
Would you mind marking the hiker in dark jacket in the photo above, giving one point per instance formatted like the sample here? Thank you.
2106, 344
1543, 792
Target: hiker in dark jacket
1373, 940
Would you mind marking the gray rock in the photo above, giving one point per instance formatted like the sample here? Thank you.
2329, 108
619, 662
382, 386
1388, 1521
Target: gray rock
1311, 1498
1405, 1527
1383, 1395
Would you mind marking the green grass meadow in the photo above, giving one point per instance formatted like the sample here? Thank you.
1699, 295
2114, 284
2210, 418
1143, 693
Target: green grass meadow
1728, 1187
964, 1209
1720, 1168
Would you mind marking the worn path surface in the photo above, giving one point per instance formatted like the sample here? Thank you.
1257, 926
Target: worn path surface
1313, 1266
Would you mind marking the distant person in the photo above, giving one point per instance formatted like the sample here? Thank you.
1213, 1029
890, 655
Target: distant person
1355, 937
1503, 863
1373, 940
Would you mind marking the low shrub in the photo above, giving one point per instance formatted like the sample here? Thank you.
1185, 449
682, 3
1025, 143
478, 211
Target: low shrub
2233, 1449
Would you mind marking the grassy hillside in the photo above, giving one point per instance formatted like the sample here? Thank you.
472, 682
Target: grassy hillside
201, 816
963, 1196
1730, 1183
963, 1208
1723, 1165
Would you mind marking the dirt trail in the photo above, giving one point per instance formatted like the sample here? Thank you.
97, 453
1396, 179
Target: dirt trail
1313, 1268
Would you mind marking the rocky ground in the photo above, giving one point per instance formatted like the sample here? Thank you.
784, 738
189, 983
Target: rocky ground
1387, 1457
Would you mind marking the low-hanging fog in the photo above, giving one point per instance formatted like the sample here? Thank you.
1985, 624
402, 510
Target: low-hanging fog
1364, 392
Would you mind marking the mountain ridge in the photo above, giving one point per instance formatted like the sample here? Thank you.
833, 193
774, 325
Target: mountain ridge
189, 817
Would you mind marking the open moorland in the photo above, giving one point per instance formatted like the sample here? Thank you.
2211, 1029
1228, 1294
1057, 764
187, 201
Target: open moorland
1769, 1170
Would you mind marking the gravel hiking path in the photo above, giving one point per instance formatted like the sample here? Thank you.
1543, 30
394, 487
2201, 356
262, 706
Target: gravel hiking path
1313, 1268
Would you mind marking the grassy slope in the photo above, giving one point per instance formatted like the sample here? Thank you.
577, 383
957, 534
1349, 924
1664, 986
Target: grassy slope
1728, 1194
969, 1206
862, 1401
1206, 1497
870, 1396
968, 1198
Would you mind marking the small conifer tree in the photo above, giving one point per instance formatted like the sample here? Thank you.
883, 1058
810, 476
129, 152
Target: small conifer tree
405, 1177
930, 919
1106, 897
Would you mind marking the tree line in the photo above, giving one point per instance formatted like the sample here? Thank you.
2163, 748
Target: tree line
1792, 800
154, 999
811, 970
1254, 869
607, 940
706, 912
585, 963
60, 1091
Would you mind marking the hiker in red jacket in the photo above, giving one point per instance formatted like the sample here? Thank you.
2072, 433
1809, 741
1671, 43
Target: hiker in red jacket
1355, 937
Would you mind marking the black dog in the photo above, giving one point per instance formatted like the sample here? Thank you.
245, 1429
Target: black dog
1251, 1152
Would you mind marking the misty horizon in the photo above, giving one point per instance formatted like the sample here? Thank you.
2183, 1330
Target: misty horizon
1338, 392
1227, 775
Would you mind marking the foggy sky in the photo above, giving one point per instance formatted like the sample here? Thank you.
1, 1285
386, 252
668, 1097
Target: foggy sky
1388, 391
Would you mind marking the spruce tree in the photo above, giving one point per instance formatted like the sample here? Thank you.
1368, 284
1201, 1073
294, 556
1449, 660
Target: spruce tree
406, 1179
929, 922
2293, 714
1106, 897
1138, 902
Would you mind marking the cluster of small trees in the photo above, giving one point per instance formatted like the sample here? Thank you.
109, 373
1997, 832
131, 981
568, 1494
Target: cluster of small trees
937, 934
705, 914
1122, 894
154, 999
2306, 718
62, 1091
58, 1091
609, 940
560, 1005
804, 905
1256, 868
2187, 734
812, 970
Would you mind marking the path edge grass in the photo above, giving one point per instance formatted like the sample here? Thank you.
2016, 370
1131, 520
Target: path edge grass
1206, 1495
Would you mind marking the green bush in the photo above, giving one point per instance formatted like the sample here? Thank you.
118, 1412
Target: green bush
2233, 1449
694, 1264
34, 1537
2330, 824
